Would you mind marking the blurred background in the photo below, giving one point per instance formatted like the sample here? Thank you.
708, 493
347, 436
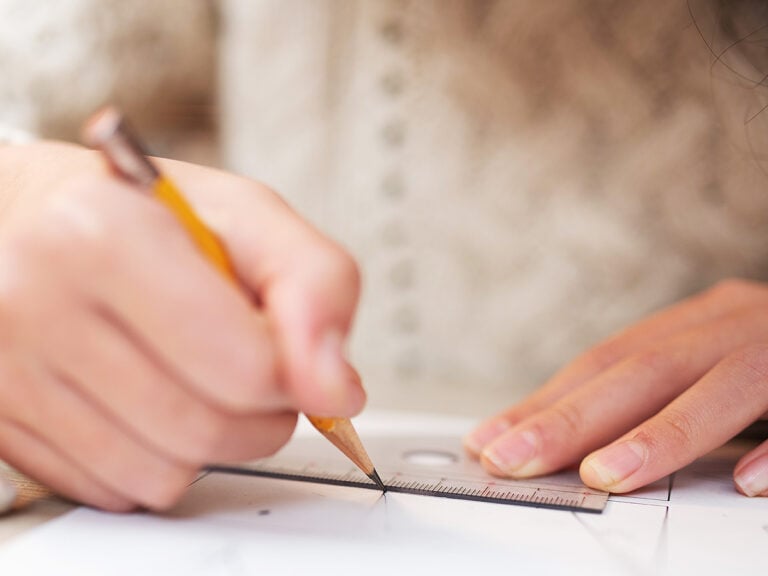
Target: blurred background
518, 179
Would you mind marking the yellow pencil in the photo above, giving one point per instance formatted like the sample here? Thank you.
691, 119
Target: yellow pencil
107, 131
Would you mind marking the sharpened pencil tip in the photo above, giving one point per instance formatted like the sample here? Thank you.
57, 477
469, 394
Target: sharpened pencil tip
377, 480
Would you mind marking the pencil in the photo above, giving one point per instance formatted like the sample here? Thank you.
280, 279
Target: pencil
108, 132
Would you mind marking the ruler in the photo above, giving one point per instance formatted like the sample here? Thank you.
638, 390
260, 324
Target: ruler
435, 466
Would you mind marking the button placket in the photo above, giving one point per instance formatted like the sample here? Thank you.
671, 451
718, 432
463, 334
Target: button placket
393, 187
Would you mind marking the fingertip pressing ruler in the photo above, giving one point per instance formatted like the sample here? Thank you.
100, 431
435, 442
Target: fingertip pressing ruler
426, 466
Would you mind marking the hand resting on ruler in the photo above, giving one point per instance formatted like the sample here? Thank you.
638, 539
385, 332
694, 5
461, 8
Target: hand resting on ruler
648, 401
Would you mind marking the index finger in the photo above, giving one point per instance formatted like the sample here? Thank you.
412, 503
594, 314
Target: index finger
723, 402
719, 301
307, 285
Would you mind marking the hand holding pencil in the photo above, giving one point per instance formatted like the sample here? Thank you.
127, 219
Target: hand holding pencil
130, 361
109, 132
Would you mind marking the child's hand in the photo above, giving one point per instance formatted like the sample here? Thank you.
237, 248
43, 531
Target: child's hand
649, 401
127, 361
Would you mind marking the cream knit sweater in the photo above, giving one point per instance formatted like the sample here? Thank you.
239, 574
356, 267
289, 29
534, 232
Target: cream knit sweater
517, 179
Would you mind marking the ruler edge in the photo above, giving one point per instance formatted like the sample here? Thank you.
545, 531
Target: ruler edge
243, 471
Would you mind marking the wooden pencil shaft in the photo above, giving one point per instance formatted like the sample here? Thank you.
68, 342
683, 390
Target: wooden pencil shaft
343, 435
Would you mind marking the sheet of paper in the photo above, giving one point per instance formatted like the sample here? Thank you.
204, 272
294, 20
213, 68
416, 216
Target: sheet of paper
693, 523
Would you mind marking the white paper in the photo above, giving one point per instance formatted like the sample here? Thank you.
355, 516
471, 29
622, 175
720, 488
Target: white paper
693, 524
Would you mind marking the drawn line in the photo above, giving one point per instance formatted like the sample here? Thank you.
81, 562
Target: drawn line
419, 489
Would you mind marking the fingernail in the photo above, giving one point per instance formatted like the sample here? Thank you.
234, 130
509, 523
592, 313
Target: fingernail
7, 496
334, 375
510, 454
752, 479
479, 438
615, 463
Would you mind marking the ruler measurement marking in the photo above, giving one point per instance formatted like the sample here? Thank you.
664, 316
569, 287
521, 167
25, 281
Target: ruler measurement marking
459, 480
415, 487
500, 483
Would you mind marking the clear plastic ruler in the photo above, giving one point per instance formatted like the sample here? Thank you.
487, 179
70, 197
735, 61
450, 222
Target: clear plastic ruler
426, 466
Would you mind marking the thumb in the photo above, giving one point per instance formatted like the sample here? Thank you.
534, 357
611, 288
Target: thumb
312, 306
306, 285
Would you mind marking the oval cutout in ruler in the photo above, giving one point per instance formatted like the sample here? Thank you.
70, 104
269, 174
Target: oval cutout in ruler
427, 466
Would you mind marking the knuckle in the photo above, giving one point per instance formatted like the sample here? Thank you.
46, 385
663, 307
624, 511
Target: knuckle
754, 358
78, 215
74, 228
653, 361
568, 418
604, 355
680, 429
748, 372
97, 218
